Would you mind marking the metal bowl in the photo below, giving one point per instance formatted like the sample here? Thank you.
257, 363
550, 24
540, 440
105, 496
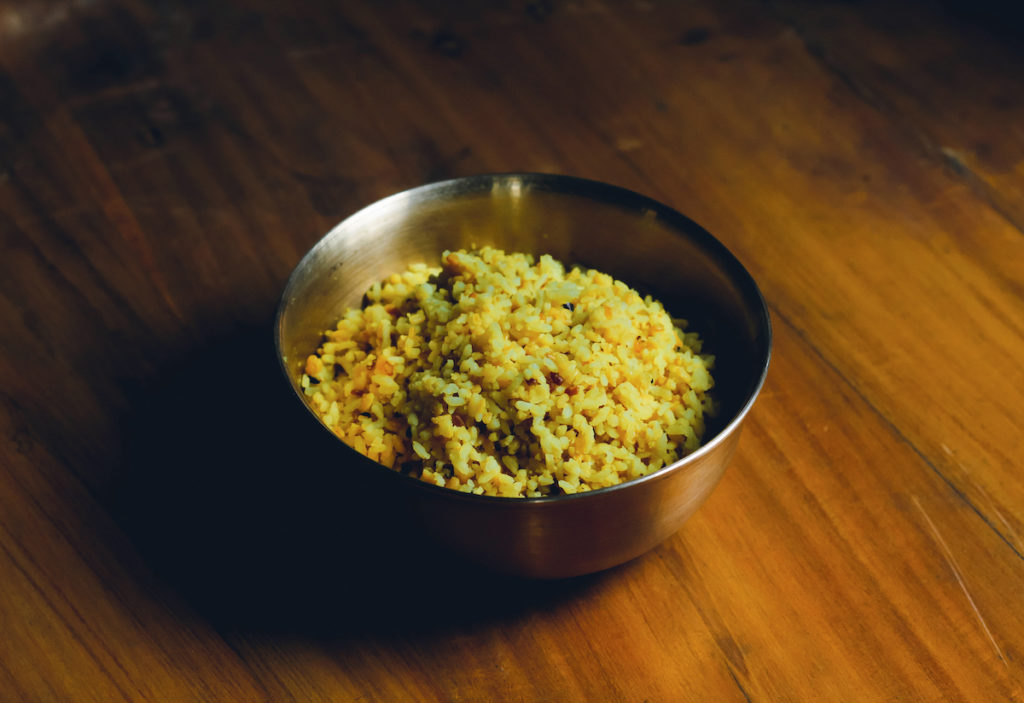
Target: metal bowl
635, 239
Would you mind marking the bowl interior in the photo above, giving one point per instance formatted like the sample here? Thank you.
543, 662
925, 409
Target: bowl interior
647, 245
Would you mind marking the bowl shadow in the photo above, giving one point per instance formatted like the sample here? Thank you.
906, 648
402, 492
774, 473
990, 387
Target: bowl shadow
226, 493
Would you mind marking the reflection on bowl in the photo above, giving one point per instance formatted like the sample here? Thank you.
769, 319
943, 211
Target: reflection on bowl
647, 245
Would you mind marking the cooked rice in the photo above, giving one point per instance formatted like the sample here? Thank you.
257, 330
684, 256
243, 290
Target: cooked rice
503, 375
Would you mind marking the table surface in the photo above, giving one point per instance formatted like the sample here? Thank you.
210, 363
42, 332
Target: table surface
163, 166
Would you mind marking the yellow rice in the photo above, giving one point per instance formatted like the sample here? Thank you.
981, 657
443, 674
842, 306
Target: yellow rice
503, 375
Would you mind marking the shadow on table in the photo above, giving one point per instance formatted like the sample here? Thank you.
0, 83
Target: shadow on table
1001, 18
224, 497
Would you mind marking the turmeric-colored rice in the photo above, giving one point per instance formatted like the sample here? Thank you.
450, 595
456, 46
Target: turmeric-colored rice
503, 375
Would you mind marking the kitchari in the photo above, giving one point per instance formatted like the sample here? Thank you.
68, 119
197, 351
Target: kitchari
505, 375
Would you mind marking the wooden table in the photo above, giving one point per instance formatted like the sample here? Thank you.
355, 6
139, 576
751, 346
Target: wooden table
164, 165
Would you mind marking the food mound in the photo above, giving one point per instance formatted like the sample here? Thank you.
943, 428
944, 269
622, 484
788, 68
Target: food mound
503, 375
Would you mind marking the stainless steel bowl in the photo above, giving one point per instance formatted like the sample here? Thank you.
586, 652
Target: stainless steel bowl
638, 240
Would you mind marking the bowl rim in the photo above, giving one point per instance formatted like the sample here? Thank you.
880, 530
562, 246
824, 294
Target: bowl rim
581, 187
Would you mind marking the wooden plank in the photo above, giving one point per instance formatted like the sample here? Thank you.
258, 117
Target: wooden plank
82, 618
948, 76
161, 170
816, 570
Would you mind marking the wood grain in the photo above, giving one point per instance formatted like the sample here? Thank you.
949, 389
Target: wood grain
163, 166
